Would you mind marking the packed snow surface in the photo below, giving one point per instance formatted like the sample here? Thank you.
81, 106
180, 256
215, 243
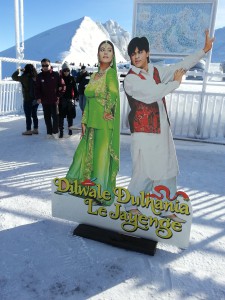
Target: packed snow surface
41, 259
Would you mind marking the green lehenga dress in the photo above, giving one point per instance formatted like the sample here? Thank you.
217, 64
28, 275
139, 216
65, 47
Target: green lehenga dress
97, 155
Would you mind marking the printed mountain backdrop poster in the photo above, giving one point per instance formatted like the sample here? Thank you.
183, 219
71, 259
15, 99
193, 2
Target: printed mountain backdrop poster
173, 28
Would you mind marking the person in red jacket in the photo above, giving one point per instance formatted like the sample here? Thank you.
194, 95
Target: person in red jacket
49, 87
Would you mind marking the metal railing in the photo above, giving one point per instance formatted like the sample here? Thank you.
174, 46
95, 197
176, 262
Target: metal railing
11, 99
194, 113
197, 116
22, 61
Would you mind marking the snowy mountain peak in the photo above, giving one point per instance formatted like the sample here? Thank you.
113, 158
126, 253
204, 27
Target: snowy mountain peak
75, 42
118, 35
113, 26
84, 43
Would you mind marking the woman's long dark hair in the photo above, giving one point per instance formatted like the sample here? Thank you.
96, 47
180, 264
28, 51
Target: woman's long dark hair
30, 69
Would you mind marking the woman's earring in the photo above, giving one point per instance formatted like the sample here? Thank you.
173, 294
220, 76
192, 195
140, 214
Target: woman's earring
111, 64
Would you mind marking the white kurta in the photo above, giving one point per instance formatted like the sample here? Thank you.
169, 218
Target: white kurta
157, 150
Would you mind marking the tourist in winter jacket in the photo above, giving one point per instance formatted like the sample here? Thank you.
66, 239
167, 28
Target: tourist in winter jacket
82, 80
49, 87
67, 108
30, 105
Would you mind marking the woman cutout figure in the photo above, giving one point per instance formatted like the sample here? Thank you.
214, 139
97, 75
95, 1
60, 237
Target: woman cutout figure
97, 155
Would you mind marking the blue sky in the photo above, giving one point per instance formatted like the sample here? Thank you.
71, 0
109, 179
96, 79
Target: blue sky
41, 15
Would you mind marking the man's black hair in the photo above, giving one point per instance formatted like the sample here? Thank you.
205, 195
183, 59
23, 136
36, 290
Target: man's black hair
140, 43
45, 60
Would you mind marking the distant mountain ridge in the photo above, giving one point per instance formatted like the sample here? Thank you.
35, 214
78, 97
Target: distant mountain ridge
117, 35
77, 42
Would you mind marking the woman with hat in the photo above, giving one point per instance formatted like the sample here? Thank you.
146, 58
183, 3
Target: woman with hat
67, 108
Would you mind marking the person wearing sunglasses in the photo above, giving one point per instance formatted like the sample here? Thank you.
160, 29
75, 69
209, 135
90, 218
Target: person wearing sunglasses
49, 87
67, 108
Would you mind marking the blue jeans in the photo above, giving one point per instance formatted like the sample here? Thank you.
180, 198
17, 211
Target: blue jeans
30, 113
82, 102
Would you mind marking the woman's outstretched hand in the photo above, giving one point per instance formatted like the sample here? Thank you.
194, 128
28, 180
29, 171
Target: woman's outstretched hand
208, 42
107, 116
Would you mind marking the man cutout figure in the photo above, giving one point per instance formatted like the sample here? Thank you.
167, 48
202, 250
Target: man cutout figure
154, 160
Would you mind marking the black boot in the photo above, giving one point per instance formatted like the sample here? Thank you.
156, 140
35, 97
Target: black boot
61, 134
70, 132
61, 126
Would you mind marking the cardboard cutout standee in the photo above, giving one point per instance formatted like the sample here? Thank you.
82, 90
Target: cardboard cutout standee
151, 207
75, 203
97, 155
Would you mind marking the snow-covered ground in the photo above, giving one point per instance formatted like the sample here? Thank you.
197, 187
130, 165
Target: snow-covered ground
41, 259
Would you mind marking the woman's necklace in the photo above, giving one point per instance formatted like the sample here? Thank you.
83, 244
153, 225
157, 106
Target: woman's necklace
101, 73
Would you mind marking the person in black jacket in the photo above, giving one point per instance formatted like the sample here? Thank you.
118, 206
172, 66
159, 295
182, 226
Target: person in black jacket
49, 88
30, 105
67, 108
82, 79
